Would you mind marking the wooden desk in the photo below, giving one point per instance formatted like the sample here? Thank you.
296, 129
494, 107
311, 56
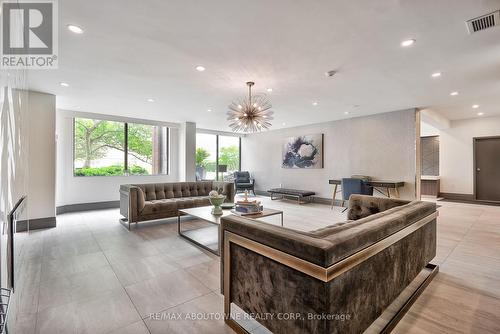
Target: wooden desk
383, 187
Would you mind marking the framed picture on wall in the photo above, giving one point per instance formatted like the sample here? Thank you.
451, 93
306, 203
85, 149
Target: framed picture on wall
303, 152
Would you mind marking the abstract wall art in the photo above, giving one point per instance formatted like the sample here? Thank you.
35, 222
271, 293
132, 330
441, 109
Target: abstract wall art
303, 152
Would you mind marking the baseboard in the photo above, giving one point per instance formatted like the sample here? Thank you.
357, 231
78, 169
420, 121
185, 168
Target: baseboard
35, 224
458, 197
87, 206
323, 200
465, 198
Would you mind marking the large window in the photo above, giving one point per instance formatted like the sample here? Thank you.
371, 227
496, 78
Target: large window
229, 157
206, 156
108, 148
217, 156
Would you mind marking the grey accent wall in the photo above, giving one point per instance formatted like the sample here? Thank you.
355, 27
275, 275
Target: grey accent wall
381, 146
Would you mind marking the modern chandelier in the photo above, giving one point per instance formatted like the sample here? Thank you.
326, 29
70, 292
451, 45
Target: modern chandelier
250, 114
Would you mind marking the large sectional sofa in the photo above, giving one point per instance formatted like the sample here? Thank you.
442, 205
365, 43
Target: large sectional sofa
354, 269
142, 202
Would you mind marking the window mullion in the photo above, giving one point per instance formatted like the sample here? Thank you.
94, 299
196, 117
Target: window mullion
217, 157
126, 148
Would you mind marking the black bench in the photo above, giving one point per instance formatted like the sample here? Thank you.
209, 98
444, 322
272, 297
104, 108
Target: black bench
284, 192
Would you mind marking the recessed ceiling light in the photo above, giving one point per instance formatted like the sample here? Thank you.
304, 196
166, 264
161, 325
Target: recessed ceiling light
315, 103
150, 100
408, 42
330, 73
269, 90
75, 29
436, 74
346, 112
283, 124
454, 93
209, 109
480, 113
475, 106
64, 84
200, 68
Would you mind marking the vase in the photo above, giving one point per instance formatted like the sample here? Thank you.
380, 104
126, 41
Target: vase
217, 202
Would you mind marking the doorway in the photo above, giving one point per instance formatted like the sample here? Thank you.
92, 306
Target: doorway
487, 169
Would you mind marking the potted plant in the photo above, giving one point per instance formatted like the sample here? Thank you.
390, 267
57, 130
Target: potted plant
201, 162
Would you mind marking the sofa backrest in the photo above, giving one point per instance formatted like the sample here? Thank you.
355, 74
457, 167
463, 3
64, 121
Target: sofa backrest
361, 206
332, 244
242, 177
156, 191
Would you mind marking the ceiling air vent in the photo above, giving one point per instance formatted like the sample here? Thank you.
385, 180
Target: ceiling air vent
483, 22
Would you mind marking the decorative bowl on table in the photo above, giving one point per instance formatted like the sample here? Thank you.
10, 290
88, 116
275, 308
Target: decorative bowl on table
227, 206
216, 200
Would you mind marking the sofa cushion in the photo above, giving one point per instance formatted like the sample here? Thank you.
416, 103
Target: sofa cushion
244, 184
185, 203
201, 201
159, 206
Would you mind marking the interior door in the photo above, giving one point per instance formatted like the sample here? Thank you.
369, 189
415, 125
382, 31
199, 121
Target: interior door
487, 165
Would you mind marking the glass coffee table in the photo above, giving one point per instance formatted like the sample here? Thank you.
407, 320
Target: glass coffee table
207, 236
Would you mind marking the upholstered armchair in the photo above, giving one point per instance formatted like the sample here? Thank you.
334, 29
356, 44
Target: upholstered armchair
354, 186
243, 181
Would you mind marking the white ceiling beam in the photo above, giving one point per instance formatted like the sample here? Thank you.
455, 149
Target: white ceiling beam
435, 119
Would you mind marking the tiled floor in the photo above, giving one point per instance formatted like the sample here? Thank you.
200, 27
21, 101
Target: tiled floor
91, 275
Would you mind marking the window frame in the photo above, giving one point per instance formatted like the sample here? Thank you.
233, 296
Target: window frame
217, 148
125, 145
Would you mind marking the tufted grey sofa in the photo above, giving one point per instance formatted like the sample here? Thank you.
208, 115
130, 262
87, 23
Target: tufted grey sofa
142, 202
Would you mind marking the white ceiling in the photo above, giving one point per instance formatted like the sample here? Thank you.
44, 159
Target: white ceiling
134, 50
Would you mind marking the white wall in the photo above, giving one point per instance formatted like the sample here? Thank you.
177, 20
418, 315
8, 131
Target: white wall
187, 151
456, 159
428, 130
381, 146
74, 190
41, 188
28, 152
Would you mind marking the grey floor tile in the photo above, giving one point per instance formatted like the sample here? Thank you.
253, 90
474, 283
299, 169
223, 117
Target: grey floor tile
74, 248
72, 265
22, 323
207, 273
59, 319
135, 328
137, 270
209, 307
77, 287
187, 257
165, 291
108, 312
